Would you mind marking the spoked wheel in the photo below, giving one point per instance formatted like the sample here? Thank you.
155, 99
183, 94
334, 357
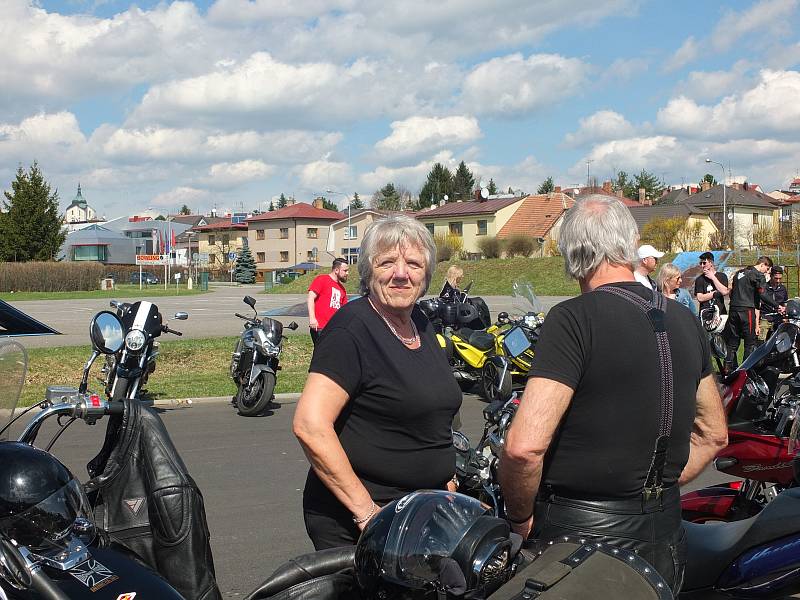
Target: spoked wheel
491, 387
253, 400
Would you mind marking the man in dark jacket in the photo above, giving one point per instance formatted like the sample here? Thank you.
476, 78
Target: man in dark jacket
603, 437
746, 297
779, 295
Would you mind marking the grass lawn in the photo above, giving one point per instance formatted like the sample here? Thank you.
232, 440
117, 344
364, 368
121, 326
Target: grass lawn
492, 277
122, 291
184, 368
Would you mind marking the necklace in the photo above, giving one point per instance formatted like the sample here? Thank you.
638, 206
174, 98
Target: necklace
407, 341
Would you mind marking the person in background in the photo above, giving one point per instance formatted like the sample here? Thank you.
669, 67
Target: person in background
711, 287
326, 295
376, 413
669, 283
648, 259
779, 295
452, 285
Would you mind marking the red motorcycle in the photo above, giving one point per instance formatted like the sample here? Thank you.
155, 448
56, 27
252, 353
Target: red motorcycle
760, 400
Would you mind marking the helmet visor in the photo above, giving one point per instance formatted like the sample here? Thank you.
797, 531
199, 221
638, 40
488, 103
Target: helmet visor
47, 525
427, 527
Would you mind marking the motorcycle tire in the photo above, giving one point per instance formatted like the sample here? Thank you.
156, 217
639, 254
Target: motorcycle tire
490, 390
253, 400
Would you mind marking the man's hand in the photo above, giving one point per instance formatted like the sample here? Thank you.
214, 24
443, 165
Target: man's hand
782, 309
313, 324
758, 328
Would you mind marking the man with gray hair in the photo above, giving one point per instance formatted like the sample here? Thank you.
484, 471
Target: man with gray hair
620, 408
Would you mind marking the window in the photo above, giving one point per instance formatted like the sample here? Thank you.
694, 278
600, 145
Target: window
259, 234
261, 256
226, 239
755, 218
482, 228
456, 228
212, 259
351, 233
212, 240
284, 233
95, 253
311, 233
225, 259
285, 256
430, 227
310, 255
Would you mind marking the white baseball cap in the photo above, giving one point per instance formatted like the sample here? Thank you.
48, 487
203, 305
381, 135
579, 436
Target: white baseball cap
647, 251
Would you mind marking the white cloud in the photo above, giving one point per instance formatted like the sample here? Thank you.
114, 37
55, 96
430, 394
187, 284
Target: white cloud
683, 55
765, 19
231, 11
321, 175
513, 85
710, 85
53, 139
231, 174
625, 69
180, 196
417, 135
602, 125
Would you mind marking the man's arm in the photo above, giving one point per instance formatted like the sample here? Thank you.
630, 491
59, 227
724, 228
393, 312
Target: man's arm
312, 316
709, 431
542, 407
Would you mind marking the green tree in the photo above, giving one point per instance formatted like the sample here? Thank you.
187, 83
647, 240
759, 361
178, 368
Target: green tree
271, 206
438, 184
30, 225
245, 270
386, 198
160, 218
356, 202
185, 210
492, 187
626, 185
327, 204
652, 185
709, 178
547, 186
282, 201
463, 183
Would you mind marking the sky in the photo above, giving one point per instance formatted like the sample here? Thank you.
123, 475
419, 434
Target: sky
229, 103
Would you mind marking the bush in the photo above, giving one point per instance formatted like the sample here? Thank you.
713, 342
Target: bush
520, 245
50, 276
447, 246
551, 248
490, 247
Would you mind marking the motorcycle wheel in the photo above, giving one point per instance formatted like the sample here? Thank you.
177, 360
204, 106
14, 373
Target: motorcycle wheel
253, 400
491, 389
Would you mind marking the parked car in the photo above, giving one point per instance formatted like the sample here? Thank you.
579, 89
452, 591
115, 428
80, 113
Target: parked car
147, 278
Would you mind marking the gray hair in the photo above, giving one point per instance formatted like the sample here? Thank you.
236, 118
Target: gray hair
667, 272
597, 228
388, 233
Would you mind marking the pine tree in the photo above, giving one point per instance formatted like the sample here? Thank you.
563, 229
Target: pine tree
492, 187
282, 201
356, 203
328, 205
30, 225
438, 184
185, 210
245, 271
547, 186
271, 206
386, 198
463, 183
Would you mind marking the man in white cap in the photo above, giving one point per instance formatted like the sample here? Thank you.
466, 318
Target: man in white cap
648, 258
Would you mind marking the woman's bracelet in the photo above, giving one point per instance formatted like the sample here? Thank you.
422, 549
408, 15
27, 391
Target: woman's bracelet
370, 514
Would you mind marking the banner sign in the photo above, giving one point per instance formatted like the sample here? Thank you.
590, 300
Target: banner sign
152, 259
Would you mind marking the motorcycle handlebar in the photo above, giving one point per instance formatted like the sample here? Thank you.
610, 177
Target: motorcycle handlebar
172, 331
88, 407
241, 316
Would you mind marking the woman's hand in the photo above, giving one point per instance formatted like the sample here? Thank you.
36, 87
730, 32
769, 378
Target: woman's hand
362, 520
452, 485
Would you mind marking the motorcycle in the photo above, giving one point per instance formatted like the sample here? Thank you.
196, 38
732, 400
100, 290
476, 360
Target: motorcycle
52, 549
255, 361
760, 400
128, 369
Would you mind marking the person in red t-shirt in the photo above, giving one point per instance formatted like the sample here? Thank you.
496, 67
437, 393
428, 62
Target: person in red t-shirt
326, 295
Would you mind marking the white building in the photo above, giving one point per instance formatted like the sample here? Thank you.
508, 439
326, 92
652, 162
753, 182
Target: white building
79, 214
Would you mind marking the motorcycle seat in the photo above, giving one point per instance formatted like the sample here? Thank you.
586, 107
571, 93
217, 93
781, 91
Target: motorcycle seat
714, 546
477, 338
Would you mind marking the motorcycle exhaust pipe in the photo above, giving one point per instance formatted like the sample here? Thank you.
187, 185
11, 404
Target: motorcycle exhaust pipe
464, 376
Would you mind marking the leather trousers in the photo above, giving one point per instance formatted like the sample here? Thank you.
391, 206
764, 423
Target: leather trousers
651, 529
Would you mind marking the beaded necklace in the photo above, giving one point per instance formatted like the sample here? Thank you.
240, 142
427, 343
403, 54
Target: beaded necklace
407, 341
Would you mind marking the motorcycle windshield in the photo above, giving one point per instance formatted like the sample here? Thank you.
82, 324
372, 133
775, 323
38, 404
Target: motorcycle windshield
781, 340
13, 368
525, 300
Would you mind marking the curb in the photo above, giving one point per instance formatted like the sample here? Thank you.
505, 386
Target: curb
285, 398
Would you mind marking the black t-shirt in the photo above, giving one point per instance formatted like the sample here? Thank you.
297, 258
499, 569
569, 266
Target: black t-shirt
603, 347
779, 295
703, 285
396, 428
747, 287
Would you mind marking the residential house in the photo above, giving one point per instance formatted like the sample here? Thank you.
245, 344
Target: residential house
221, 240
694, 218
96, 243
347, 241
539, 217
282, 239
470, 221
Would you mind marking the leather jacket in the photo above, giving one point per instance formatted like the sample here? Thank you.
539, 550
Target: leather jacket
143, 496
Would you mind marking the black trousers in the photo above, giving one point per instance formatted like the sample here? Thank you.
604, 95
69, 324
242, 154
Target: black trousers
314, 335
741, 325
330, 529
652, 530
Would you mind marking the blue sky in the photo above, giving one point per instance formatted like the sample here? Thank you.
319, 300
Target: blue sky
229, 103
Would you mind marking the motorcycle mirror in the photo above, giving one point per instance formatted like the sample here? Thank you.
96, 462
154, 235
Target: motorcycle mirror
503, 316
250, 301
466, 290
106, 332
292, 326
181, 316
115, 304
86, 368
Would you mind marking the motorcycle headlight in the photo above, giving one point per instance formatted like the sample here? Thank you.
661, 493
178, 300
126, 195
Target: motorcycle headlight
460, 441
135, 340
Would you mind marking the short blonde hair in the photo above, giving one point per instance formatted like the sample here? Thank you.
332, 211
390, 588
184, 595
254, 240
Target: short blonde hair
454, 273
667, 272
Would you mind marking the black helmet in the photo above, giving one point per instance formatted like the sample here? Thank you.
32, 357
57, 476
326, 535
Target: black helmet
433, 541
430, 308
39, 498
793, 309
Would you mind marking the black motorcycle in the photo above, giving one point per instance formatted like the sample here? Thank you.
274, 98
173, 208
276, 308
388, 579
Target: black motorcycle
128, 368
255, 361
50, 547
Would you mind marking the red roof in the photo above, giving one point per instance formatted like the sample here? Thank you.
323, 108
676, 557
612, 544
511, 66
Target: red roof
224, 224
537, 215
299, 210
473, 207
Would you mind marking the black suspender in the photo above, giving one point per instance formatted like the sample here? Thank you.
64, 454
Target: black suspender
656, 312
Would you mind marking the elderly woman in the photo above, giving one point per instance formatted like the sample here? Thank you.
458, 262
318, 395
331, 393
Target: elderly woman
375, 416
669, 283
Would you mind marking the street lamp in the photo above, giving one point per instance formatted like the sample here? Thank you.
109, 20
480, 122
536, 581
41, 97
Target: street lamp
724, 201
